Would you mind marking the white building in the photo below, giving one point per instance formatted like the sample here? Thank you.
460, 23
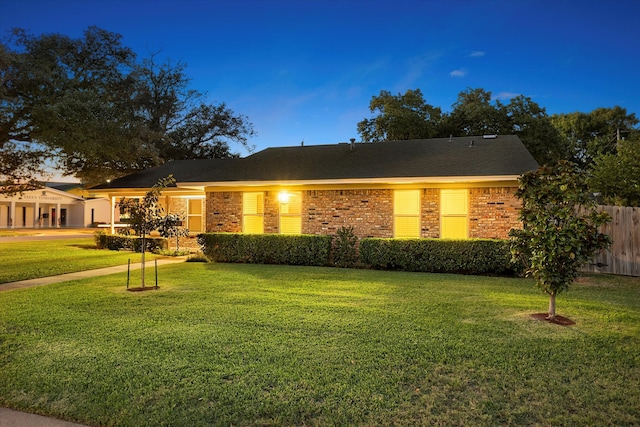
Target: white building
52, 208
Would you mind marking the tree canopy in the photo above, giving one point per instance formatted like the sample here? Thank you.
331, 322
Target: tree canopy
589, 140
590, 135
616, 176
98, 112
409, 116
400, 117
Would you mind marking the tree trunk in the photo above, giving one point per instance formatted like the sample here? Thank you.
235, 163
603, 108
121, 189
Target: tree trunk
552, 306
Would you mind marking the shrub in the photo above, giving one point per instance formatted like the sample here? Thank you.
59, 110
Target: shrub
474, 256
128, 243
100, 237
197, 258
344, 248
266, 248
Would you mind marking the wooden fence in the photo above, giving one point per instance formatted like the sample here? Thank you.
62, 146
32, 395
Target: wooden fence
623, 257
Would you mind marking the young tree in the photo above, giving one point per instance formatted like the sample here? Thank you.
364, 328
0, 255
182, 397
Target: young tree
171, 226
146, 215
560, 227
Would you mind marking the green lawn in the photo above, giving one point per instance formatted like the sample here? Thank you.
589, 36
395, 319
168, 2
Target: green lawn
34, 259
222, 344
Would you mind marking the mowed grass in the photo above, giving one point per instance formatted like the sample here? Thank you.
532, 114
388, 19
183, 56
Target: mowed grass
41, 258
222, 344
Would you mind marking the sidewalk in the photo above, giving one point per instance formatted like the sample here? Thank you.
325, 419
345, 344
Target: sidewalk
84, 274
11, 418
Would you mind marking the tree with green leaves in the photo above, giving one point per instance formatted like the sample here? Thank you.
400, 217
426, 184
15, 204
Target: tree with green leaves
590, 135
179, 123
474, 113
616, 176
145, 215
530, 122
560, 227
400, 117
90, 106
171, 225
408, 116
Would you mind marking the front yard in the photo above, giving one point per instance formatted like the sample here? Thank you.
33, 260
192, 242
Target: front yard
222, 344
31, 260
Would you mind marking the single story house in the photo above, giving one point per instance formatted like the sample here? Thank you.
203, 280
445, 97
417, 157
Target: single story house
459, 187
50, 207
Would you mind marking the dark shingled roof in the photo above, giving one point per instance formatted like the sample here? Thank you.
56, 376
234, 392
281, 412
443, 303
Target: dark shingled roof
182, 170
424, 158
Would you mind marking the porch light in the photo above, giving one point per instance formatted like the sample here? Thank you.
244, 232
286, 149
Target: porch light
283, 197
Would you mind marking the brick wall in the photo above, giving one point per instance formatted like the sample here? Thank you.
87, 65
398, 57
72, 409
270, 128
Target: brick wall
493, 212
224, 212
430, 215
271, 212
177, 205
369, 212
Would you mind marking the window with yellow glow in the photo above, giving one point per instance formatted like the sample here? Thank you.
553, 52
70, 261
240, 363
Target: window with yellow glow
290, 212
253, 212
194, 215
454, 222
406, 213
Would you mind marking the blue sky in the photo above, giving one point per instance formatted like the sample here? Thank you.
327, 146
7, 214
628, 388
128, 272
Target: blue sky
307, 69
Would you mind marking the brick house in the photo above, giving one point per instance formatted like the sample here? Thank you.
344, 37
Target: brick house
443, 188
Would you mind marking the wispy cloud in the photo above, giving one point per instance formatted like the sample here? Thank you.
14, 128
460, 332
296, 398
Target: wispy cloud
505, 95
458, 73
416, 67
477, 54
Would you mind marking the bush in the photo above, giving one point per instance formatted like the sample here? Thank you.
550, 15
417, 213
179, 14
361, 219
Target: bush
474, 256
266, 248
344, 248
197, 258
128, 243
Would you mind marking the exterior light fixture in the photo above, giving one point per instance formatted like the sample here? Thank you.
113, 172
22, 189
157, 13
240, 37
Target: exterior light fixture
283, 197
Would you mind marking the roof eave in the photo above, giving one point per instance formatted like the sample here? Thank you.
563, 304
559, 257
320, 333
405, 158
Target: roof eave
351, 181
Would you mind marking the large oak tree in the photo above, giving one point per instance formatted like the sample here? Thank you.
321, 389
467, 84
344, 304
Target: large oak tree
92, 107
400, 117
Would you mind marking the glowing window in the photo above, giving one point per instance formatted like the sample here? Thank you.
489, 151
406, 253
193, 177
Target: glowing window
406, 211
454, 222
253, 212
290, 212
194, 215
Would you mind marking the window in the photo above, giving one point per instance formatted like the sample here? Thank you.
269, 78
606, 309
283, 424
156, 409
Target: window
406, 211
290, 212
453, 214
194, 215
253, 213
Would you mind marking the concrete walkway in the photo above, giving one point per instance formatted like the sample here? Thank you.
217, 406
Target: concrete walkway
11, 418
84, 274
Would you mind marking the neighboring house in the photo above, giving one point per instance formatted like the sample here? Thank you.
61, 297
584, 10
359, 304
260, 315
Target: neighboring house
50, 207
443, 188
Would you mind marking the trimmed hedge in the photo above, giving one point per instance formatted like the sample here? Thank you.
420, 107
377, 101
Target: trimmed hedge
474, 256
266, 248
128, 243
